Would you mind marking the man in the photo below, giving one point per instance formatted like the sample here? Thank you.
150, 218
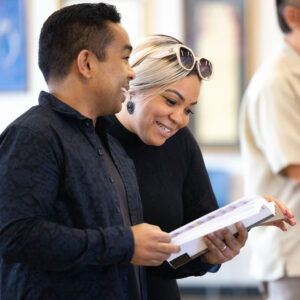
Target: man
69, 201
270, 144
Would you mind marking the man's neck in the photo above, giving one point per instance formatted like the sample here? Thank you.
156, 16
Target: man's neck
71, 94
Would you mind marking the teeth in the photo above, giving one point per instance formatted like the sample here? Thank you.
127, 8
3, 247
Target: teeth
164, 128
123, 89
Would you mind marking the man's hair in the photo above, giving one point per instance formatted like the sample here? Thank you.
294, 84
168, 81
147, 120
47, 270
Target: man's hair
280, 4
71, 29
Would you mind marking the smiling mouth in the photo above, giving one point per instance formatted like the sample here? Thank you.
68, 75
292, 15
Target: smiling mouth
164, 128
124, 92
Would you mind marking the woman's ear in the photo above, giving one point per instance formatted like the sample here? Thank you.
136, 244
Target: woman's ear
131, 94
83, 62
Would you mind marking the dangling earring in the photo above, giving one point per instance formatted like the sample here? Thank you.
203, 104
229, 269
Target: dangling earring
130, 107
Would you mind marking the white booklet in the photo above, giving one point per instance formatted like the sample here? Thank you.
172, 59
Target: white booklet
252, 211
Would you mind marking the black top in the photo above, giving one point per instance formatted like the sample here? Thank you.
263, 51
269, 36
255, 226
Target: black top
175, 189
62, 235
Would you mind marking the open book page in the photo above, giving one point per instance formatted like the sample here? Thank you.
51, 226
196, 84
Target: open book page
252, 211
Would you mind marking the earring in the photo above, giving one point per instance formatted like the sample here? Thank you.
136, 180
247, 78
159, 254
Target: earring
130, 107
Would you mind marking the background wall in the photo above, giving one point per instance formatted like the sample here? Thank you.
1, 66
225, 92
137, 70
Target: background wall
161, 16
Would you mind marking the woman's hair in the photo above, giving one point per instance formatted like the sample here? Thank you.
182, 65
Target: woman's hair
153, 71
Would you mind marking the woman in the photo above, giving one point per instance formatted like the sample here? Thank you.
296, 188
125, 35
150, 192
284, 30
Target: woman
173, 181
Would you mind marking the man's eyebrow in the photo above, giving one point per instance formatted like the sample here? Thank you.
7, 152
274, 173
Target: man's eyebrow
128, 47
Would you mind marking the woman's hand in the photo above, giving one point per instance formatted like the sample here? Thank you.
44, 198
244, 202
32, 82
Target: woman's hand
287, 213
220, 250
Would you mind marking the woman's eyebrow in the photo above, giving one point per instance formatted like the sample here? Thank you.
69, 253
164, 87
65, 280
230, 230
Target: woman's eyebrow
180, 96
177, 93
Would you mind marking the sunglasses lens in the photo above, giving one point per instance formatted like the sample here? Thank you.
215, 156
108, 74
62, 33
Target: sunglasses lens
186, 58
205, 68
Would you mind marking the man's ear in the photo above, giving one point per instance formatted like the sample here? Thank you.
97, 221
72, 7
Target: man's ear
83, 61
292, 17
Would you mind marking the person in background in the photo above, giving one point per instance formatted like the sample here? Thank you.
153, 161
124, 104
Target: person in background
70, 211
270, 145
173, 181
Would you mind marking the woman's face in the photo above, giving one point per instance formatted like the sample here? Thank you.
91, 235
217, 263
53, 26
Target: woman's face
157, 118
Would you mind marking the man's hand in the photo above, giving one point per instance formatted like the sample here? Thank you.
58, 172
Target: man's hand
220, 250
151, 245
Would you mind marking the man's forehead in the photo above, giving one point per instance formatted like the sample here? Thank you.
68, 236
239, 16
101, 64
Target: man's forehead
119, 33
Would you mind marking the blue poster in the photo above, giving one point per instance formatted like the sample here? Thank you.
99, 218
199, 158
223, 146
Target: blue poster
220, 182
13, 75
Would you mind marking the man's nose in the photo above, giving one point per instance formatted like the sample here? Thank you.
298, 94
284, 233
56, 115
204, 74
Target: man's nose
131, 74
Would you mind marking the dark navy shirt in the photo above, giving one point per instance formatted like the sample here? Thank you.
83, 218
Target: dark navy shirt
62, 234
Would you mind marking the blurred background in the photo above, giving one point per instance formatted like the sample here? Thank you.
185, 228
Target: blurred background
236, 35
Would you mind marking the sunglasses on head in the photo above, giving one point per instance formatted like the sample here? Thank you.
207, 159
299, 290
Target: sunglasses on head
187, 60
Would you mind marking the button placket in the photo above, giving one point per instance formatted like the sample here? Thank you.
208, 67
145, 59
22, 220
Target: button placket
100, 151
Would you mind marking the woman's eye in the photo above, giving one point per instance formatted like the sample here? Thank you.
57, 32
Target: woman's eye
188, 111
170, 101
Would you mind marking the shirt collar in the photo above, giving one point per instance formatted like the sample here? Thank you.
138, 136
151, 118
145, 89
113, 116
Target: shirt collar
47, 99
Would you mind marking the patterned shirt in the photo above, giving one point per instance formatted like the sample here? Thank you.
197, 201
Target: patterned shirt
61, 229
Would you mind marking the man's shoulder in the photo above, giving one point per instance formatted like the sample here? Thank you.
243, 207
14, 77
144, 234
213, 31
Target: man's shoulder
36, 121
33, 116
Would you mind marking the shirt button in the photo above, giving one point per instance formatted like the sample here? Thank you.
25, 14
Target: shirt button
111, 179
87, 124
100, 152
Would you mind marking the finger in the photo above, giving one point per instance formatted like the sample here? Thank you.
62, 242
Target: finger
168, 248
242, 233
279, 224
212, 247
234, 244
163, 237
214, 254
285, 210
290, 222
288, 213
231, 241
217, 243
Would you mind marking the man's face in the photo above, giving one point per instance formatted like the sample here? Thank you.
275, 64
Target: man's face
114, 73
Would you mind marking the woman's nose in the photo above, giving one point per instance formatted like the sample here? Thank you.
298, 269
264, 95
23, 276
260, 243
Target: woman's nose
180, 118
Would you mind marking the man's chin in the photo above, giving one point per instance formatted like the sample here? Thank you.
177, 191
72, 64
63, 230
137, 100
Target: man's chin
117, 109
